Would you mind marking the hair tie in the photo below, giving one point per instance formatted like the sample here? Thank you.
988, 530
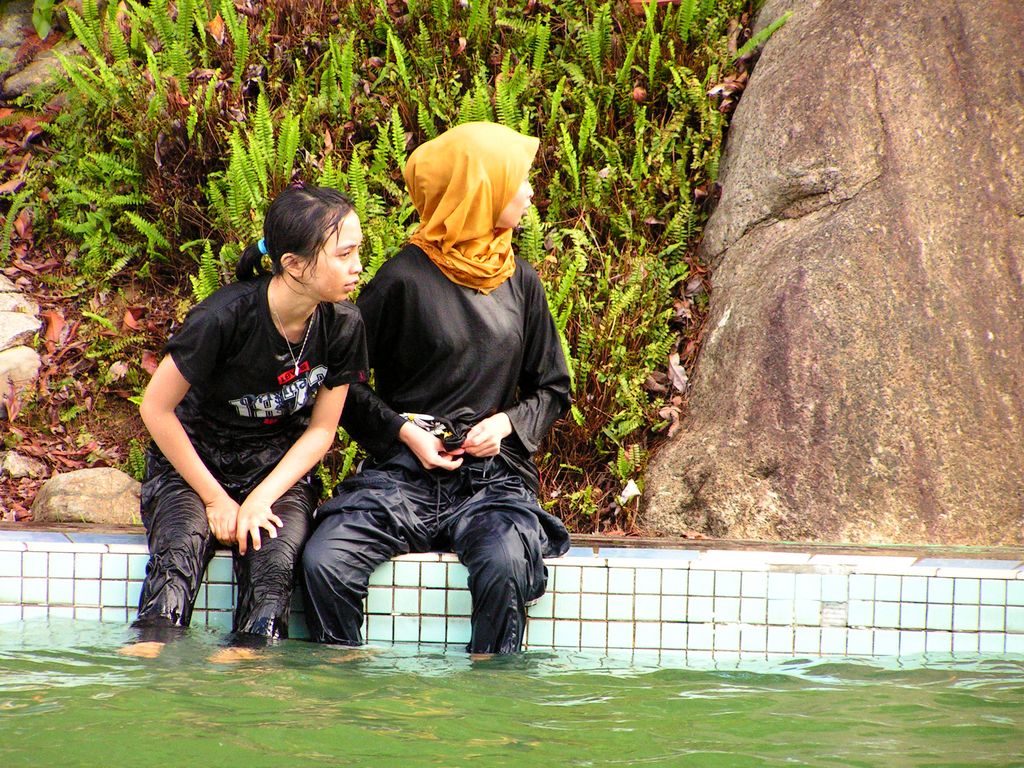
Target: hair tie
262, 246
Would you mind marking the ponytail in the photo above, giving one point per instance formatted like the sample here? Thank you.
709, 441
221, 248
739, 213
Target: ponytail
250, 264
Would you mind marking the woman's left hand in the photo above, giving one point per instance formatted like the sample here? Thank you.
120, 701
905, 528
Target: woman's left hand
253, 515
484, 439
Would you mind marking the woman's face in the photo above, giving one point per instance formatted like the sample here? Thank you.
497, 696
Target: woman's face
512, 213
336, 271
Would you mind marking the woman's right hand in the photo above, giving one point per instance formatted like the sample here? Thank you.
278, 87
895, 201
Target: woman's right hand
222, 514
429, 449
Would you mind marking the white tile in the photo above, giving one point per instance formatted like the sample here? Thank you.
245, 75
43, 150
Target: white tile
594, 580
860, 613
807, 640
407, 574
727, 637
860, 642
380, 629
939, 616
567, 634
594, 607
833, 641
407, 629
594, 634
673, 636
753, 610
754, 584
568, 579
419, 557
913, 616
862, 587
621, 581
808, 586
383, 575
648, 581
780, 611
620, 634
727, 609
567, 605
887, 615
965, 642
87, 565
967, 591
753, 638
807, 612
991, 642
458, 576
540, 633
673, 608
544, 608
993, 591
940, 590
114, 593
87, 592
379, 600
992, 618
434, 575
32, 564
42, 612
914, 589
459, 631
33, 591
727, 583
62, 565
779, 640
887, 642
62, 592
647, 607
781, 585
701, 582
700, 609
647, 635
938, 642
620, 607
433, 602
966, 618
406, 602
835, 588
700, 637
433, 629
912, 642
69, 546
674, 582
114, 566
460, 603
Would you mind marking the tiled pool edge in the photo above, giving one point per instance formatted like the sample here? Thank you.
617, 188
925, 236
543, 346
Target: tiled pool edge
601, 598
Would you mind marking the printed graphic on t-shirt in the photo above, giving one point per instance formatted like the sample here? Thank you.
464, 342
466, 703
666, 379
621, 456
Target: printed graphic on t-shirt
296, 393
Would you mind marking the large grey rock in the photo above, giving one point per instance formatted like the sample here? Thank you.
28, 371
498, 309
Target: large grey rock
102, 495
17, 328
17, 302
15, 22
17, 466
18, 366
43, 70
862, 377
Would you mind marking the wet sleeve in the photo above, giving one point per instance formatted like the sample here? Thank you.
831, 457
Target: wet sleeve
544, 389
367, 418
196, 346
347, 363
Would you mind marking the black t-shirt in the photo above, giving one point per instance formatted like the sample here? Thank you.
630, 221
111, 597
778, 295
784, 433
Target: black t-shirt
450, 351
246, 405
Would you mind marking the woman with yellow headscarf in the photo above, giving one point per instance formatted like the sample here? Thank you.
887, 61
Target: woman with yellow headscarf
469, 375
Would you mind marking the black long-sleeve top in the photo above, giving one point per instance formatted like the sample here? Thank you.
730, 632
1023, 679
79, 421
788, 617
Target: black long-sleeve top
442, 349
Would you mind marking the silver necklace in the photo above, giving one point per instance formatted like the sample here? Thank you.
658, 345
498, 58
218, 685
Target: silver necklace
302, 349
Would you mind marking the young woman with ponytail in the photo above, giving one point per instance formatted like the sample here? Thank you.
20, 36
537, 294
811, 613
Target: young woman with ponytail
241, 409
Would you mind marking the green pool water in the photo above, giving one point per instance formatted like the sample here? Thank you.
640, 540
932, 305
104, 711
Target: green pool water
68, 699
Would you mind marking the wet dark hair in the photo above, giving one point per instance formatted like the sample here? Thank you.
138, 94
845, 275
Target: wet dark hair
299, 221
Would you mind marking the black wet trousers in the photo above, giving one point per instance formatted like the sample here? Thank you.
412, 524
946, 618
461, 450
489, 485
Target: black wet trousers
181, 547
482, 512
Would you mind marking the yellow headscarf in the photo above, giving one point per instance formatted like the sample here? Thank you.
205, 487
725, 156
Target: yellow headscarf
460, 182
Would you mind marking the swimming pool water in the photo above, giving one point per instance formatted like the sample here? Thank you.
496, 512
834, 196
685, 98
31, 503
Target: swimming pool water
68, 699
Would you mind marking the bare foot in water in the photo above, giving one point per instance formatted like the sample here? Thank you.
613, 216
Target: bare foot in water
481, 656
233, 655
147, 650
356, 654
